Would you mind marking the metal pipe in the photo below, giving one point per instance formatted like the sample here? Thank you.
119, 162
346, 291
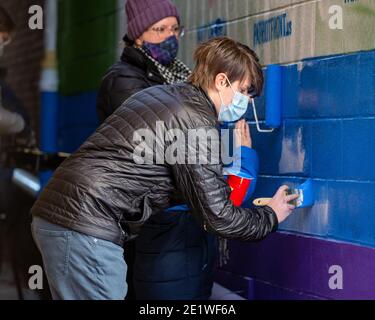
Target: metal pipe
26, 181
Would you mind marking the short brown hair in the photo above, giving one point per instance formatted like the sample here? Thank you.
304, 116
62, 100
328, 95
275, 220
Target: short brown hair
224, 55
6, 22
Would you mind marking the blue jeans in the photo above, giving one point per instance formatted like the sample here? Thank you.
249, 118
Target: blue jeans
78, 266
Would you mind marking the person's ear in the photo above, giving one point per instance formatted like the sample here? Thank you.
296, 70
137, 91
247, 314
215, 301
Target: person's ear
221, 82
138, 42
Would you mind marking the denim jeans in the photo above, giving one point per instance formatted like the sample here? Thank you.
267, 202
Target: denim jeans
79, 266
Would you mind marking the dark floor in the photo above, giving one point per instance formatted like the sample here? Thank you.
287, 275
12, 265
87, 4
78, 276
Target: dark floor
8, 287
18, 251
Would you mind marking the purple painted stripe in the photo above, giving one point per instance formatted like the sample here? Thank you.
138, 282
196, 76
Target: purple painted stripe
302, 264
252, 289
236, 283
259, 290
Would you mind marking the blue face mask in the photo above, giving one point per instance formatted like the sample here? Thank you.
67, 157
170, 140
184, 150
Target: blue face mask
236, 109
164, 52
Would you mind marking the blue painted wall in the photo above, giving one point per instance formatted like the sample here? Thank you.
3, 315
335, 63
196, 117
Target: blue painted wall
327, 134
328, 119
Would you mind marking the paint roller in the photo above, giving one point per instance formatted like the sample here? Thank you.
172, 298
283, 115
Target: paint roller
274, 100
274, 77
306, 196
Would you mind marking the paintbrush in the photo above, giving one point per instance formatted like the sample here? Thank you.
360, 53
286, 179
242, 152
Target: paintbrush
306, 196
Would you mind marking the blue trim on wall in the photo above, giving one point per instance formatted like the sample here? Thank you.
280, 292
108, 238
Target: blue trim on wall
66, 122
49, 117
48, 132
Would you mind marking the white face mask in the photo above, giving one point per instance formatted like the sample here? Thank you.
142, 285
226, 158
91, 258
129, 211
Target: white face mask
234, 111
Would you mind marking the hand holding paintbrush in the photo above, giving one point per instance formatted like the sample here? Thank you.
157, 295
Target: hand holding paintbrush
302, 196
280, 203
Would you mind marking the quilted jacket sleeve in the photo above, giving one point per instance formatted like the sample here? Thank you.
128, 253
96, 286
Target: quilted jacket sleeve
207, 193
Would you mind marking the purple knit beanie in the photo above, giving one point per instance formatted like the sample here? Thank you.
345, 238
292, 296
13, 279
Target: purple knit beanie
142, 14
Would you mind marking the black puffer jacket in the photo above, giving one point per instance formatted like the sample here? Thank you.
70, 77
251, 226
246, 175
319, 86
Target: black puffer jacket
101, 191
168, 240
133, 73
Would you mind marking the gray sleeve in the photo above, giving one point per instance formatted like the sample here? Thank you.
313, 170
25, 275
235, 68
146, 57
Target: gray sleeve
10, 122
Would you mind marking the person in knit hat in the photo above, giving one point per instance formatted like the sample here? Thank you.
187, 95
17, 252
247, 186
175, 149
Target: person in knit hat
149, 58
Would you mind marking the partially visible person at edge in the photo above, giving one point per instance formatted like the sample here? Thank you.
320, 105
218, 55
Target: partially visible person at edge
172, 237
11, 122
14, 125
101, 196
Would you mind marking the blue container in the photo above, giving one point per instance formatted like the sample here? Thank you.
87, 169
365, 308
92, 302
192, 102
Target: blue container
274, 95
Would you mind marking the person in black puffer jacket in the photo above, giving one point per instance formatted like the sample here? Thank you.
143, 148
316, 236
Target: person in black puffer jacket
125, 173
172, 237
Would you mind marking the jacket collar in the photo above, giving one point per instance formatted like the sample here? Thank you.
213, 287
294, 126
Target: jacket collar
209, 100
136, 58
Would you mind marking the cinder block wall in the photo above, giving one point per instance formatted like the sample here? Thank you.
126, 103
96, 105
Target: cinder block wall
328, 119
